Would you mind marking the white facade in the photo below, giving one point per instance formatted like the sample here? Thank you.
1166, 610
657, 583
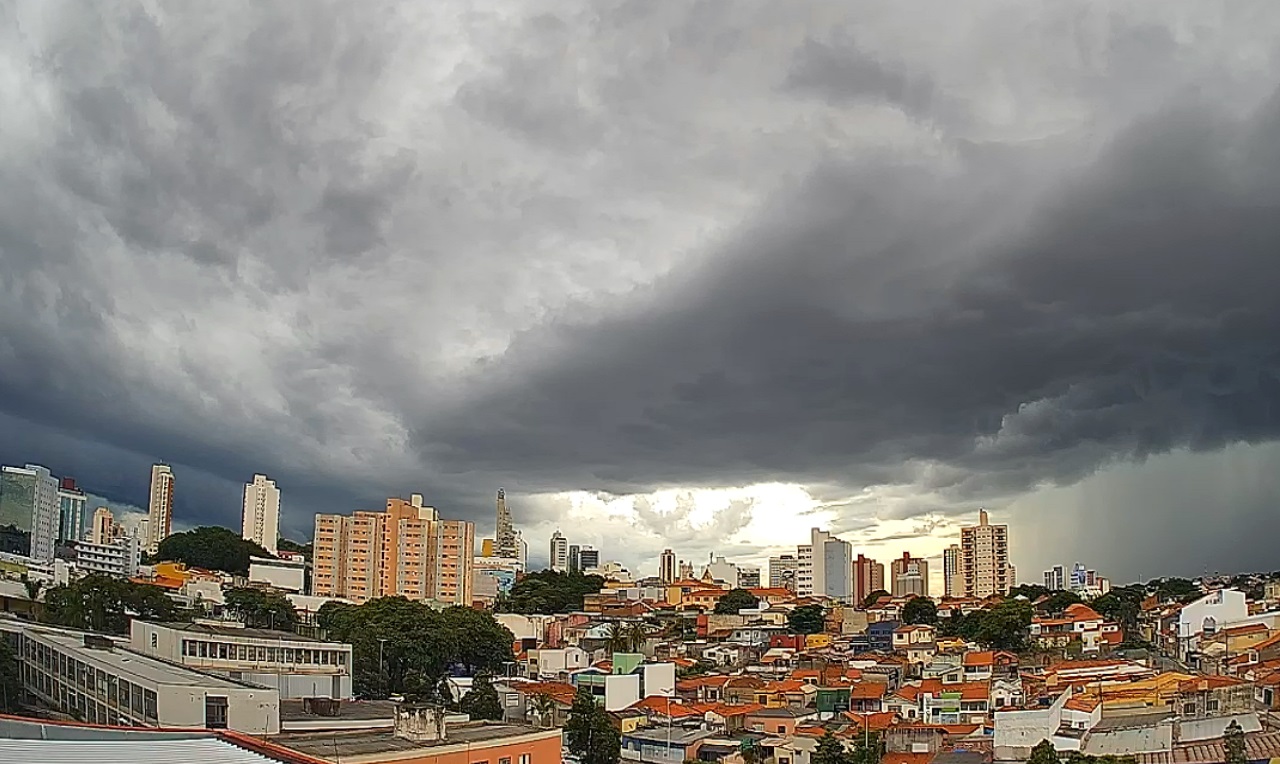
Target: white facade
782, 572
289, 575
549, 663
559, 559
260, 515
1208, 615
89, 676
831, 566
294, 666
71, 502
804, 570
159, 507
118, 558
44, 510
723, 570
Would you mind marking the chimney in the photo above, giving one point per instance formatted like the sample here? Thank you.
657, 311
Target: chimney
420, 722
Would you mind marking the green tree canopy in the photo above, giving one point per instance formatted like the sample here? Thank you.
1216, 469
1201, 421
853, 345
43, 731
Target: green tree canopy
1032, 592
406, 648
874, 597
1233, 743
1122, 605
831, 750
735, 600
807, 619
261, 609
285, 545
1179, 589
549, 591
588, 734
920, 610
1002, 627
1060, 601
1043, 753
211, 548
106, 604
481, 701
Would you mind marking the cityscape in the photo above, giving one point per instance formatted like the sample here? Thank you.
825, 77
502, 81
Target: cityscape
635, 382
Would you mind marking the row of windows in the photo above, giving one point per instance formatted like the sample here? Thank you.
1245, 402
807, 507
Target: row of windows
198, 648
70, 684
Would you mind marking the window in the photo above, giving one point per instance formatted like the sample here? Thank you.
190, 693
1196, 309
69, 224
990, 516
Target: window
1211, 705
1189, 709
155, 640
149, 704
505, 760
215, 712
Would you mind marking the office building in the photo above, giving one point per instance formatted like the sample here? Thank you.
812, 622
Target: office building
985, 558
868, 577
748, 577
588, 557
559, 559
952, 577
96, 679
29, 502
160, 506
575, 565
118, 557
71, 502
260, 516
825, 567
506, 543
1055, 578
667, 566
910, 576
522, 551
406, 550
782, 572
292, 665
103, 530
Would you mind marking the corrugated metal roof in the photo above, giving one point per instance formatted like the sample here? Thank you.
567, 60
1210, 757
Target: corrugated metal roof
139, 751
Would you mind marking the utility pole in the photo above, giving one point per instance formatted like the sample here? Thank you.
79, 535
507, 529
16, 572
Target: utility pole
382, 674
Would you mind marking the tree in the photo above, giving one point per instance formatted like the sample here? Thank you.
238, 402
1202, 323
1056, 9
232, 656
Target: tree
544, 707
10, 678
550, 591
262, 609
830, 751
1003, 627
211, 548
588, 734
920, 610
867, 749
106, 604
1060, 601
807, 619
1179, 589
1122, 605
637, 636
1233, 743
481, 701
874, 597
1032, 592
405, 648
735, 600
1043, 753
285, 545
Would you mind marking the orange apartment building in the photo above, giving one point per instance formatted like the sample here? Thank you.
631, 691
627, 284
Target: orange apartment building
405, 550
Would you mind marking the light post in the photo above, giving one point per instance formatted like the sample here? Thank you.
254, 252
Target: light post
382, 674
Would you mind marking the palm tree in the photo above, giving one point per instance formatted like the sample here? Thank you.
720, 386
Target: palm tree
637, 634
544, 706
616, 637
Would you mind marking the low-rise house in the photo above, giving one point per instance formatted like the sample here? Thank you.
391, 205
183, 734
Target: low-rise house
868, 695
777, 721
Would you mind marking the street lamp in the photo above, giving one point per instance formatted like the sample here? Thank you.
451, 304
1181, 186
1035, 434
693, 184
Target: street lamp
382, 672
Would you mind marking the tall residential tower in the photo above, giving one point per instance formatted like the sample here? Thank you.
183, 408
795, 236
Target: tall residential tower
504, 538
160, 507
984, 550
260, 519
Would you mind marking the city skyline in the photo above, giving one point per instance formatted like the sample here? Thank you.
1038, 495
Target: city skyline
846, 272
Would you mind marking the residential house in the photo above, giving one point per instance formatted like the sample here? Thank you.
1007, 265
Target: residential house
778, 721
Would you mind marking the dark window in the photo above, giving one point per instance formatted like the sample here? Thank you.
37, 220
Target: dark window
149, 704
215, 712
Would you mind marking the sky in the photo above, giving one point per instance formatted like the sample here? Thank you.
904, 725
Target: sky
694, 275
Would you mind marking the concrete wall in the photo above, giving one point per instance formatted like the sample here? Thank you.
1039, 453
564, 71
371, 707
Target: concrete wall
620, 691
1144, 739
1017, 732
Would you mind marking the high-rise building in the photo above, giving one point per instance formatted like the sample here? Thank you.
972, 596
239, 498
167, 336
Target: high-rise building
830, 566
160, 506
260, 519
686, 570
505, 541
559, 552
910, 576
71, 502
104, 530
29, 502
1055, 578
748, 577
868, 577
782, 572
804, 570
575, 564
952, 577
588, 557
985, 558
405, 550
522, 551
667, 566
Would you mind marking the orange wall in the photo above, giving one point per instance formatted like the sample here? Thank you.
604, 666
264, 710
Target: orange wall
542, 751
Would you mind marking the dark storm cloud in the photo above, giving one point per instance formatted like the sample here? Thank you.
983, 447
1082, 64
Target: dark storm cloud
411, 247
876, 320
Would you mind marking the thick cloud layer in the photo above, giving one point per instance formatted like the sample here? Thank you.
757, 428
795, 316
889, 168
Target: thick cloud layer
627, 246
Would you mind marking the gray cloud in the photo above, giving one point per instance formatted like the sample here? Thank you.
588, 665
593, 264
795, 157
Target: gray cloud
616, 246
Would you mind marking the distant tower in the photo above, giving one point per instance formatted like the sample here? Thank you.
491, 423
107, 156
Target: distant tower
559, 552
667, 567
160, 506
504, 537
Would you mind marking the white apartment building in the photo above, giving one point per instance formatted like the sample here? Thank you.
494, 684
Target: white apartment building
804, 570
97, 679
260, 516
559, 552
117, 558
984, 550
782, 572
293, 666
825, 567
160, 507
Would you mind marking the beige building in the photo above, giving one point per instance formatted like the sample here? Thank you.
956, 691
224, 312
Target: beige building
405, 550
952, 576
910, 576
104, 529
160, 507
868, 577
984, 558
260, 518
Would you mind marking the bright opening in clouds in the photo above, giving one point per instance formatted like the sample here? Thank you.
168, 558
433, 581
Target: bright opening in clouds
688, 275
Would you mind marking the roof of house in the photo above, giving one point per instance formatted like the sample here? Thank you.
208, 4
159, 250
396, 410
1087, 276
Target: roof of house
980, 658
1258, 747
660, 704
784, 713
1268, 642
875, 721
868, 690
1204, 683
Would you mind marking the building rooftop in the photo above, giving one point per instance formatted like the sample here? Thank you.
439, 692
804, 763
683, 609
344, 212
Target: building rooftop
46, 742
348, 710
133, 666
335, 746
677, 735
240, 632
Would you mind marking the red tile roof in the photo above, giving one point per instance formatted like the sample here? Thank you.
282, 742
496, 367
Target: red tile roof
980, 658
